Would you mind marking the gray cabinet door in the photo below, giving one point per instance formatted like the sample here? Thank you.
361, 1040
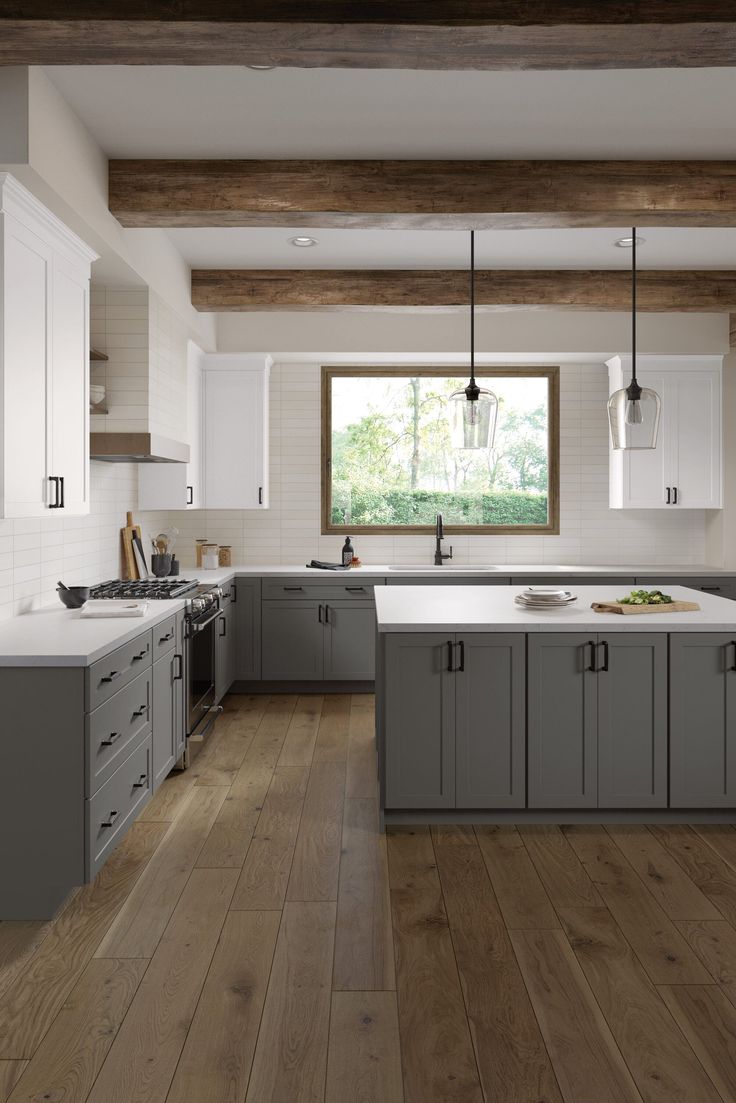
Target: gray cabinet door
164, 739
702, 720
350, 640
562, 721
246, 611
419, 718
632, 720
292, 637
490, 720
180, 716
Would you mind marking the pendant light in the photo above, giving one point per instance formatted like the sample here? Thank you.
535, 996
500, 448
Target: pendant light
473, 411
633, 411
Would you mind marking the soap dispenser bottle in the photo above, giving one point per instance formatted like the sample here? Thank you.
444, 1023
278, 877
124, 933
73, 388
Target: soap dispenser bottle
347, 553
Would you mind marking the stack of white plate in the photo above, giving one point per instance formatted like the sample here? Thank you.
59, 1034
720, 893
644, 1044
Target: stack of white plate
543, 597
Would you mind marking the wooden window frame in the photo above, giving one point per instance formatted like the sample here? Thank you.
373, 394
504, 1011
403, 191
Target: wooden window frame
550, 373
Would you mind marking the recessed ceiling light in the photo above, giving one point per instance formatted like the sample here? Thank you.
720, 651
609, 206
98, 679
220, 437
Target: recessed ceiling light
302, 242
627, 242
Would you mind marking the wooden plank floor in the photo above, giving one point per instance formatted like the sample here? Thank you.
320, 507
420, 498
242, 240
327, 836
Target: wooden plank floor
255, 939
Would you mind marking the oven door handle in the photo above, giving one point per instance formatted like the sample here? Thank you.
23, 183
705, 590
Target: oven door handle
198, 626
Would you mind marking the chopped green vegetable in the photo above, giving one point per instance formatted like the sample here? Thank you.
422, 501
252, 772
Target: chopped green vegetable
646, 597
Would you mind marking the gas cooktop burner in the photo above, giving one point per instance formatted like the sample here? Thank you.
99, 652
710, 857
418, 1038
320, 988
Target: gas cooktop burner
156, 589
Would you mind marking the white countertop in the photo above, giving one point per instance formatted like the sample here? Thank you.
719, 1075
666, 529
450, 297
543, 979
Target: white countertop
492, 609
55, 636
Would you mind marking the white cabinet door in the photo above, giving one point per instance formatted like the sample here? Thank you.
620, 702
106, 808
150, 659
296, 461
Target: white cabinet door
69, 388
235, 428
25, 334
697, 448
645, 472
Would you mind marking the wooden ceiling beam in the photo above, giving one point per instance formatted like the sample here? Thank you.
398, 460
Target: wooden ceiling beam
331, 290
422, 194
384, 34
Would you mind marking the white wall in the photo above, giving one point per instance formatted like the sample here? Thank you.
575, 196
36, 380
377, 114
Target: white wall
289, 532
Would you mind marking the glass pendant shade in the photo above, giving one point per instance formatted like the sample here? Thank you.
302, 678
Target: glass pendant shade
472, 423
634, 421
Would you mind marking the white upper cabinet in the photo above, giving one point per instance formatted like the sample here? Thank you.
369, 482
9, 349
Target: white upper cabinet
227, 417
235, 418
685, 470
179, 485
44, 359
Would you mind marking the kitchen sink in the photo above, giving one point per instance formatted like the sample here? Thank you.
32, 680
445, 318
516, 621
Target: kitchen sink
428, 568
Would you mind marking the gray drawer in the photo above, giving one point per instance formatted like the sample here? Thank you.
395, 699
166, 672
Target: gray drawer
622, 583
108, 675
164, 637
724, 586
320, 588
451, 578
113, 808
115, 727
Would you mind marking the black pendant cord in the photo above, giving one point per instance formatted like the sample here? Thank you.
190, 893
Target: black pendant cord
472, 391
633, 306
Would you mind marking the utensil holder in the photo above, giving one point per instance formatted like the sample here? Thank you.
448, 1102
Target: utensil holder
161, 565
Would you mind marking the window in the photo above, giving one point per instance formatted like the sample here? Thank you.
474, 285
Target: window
388, 465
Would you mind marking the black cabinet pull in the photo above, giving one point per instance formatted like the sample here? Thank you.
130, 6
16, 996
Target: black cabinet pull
112, 738
732, 644
260, 495
319, 614
141, 710
674, 491
111, 817
355, 589
669, 496
327, 614
591, 664
112, 676
141, 655
56, 504
223, 627
604, 666
450, 647
710, 589
292, 589
166, 638
178, 659
461, 667
142, 782
190, 495
234, 593
61, 480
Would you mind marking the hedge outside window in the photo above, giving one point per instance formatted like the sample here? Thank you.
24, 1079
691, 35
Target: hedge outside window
388, 464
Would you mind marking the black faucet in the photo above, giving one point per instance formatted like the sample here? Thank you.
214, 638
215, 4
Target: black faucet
439, 555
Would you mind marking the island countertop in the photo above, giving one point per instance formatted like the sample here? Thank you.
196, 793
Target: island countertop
493, 609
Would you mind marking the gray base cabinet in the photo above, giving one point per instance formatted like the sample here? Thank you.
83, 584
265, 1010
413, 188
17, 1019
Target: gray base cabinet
702, 720
168, 728
454, 721
310, 640
246, 613
597, 721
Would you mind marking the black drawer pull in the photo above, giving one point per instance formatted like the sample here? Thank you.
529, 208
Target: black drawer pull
141, 710
166, 638
223, 627
234, 593
710, 589
141, 655
56, 504
142, 782
112, 816
319, 615
461, 667
591, 665
604, 666
355, 589
449, 656
674, 491
112, 676
669, 495
190, 495
732, 667
112, 738
260, 495
180, 665
290, 589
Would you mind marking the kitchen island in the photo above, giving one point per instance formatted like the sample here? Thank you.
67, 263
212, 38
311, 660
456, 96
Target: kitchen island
489, 712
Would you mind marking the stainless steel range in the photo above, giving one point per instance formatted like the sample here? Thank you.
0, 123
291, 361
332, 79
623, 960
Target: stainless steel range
202, 604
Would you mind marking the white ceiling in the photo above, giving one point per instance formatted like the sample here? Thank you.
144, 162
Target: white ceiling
587, 248
169, 111
156, 112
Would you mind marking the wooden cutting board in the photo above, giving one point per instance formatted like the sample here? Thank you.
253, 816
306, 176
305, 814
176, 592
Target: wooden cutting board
130, 569
617, 607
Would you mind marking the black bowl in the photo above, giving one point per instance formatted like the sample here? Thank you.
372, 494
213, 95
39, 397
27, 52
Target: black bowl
74, 597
